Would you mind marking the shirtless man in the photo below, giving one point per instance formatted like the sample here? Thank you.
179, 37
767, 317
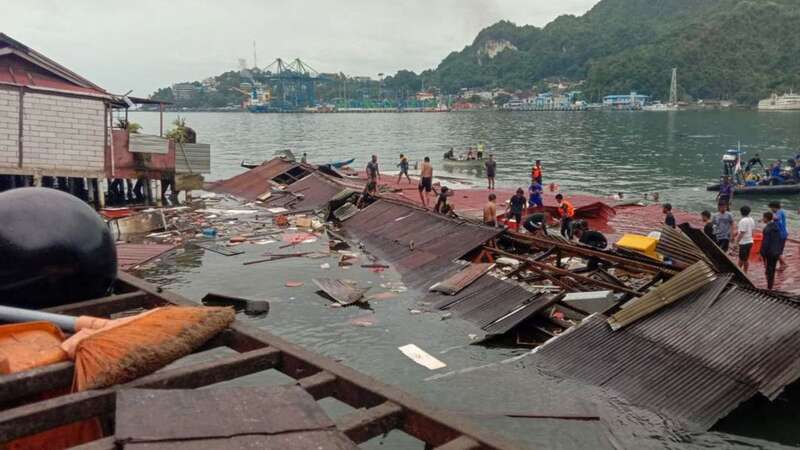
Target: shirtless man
490, 211
426, 180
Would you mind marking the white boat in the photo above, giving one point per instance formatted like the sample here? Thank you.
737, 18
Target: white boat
785, 102
658, 106
673, 97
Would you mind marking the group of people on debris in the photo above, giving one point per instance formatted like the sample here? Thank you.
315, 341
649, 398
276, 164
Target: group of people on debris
527, 211
723, 230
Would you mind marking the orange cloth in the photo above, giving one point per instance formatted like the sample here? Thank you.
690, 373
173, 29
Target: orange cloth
566, 209
536, 172
25, 346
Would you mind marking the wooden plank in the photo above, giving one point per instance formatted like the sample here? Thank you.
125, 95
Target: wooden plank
364, 424
215, 371
20, 385
460, 443
318, 385
353, 388
47, 414
40, 416
565, 273
106, 306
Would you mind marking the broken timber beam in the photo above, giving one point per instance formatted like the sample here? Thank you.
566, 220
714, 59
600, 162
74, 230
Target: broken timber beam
563, 272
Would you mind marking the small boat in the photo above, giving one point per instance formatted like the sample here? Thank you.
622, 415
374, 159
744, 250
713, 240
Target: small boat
732, 167
778, 189
340, 164
249, 164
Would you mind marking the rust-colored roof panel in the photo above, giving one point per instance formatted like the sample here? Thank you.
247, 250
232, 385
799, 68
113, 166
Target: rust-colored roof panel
311, 192
249, 185
694, 360
419, 242
132, 255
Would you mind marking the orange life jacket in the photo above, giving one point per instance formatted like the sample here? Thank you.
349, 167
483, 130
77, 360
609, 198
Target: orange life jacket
566, 208
536, 172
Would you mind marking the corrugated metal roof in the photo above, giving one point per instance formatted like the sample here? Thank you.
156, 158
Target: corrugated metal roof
131, 255
693, 361
679, 248
23, 66
461, 279
388, 228
254, 182
494, 305
192, 158
719, 260
686, 282
148, 143
311, 192
419, 243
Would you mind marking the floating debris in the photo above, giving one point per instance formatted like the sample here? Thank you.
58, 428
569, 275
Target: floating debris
421, 357
249, 306
340, 291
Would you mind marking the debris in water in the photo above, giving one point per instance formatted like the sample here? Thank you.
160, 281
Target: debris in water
293, 283
367, 320
340, 291
421, 357
382, 296
249, 306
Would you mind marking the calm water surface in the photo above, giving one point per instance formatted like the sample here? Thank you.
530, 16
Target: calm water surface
675, 154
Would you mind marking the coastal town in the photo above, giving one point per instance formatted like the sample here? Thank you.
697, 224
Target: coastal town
355, 283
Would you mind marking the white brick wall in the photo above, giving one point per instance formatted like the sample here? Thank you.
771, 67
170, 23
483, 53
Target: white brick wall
9, 127
62, 133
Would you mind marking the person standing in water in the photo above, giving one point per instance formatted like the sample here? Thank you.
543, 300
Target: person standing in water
536, 172
426, 180
491, 170
403, 169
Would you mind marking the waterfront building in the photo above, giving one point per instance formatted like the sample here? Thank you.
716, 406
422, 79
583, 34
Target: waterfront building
58, 128
184, 91
630, 101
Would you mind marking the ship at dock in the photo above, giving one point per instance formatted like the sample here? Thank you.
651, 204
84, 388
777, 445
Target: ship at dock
785, 102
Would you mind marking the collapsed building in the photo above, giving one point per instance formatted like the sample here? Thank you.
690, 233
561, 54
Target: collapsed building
686, 335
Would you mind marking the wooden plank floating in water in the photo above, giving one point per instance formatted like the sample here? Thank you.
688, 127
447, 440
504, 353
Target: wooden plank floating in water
421, 357
343, 293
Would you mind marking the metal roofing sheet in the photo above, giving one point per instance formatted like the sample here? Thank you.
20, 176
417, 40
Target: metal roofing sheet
695, 360
420, 243
312, 192
148, 143
495, 305
193, 158
254, 182
721, 262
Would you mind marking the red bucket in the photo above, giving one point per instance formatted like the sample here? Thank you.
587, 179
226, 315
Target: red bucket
757, 238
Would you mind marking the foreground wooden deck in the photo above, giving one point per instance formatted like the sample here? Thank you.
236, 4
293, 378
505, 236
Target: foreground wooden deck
378, 408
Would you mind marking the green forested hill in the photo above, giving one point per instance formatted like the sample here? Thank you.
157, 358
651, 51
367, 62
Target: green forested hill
723, 49
739, 50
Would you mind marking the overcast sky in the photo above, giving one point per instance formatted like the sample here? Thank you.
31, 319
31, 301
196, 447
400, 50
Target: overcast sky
147, 44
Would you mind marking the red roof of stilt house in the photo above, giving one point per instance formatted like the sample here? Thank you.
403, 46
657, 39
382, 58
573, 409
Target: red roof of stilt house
22, 66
